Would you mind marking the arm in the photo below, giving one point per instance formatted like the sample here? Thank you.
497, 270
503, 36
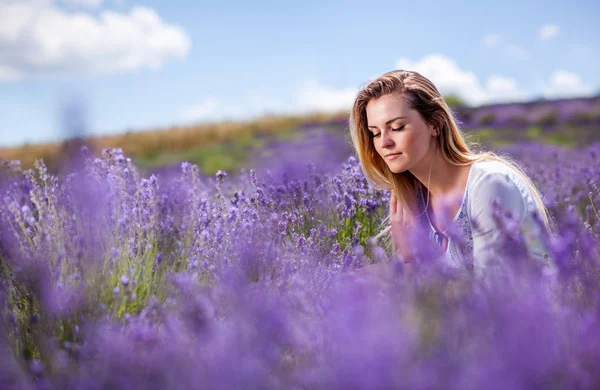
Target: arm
400, 232
486, 232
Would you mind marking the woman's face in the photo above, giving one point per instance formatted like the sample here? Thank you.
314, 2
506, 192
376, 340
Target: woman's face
400, 136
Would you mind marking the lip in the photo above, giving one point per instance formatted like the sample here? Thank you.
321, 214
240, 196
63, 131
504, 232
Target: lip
392, 156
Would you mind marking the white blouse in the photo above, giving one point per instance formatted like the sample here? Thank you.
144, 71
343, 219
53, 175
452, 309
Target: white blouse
487, 180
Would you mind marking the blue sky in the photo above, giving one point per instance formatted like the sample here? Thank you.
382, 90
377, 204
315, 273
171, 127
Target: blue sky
131, 65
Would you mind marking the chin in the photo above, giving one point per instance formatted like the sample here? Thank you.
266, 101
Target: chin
397, 168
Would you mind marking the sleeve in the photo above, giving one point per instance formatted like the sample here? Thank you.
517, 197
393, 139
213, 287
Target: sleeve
492, 188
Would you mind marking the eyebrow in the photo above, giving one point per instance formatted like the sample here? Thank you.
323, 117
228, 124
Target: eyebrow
390, 121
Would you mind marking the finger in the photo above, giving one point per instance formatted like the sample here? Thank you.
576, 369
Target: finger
399, 208
393, 204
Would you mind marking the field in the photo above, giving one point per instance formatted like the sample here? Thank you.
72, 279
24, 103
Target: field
253, 265
231, 145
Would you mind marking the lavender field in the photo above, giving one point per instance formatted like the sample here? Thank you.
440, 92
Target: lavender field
271, 278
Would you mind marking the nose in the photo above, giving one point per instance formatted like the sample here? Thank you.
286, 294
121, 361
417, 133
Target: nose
386, 140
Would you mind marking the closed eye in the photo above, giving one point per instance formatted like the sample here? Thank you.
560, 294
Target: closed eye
397, 129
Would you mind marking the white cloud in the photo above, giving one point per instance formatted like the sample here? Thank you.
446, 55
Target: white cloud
38, 38
212, 109
491, 40
564, 84
450, 79
515, 51
447, 77
310, 96
441, 70
9, 74
497, 41
205, 109
548, 31
84, 3
502, 88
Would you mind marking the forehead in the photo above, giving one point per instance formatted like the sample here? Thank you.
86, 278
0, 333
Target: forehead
386, 107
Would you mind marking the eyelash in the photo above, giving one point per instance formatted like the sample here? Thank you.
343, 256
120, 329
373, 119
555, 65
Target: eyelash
398, 129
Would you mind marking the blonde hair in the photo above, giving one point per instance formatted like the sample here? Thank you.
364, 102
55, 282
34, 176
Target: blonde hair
421, 95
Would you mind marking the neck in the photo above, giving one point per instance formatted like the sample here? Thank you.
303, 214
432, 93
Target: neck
436, 174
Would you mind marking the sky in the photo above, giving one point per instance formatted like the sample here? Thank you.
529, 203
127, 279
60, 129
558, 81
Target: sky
128, 65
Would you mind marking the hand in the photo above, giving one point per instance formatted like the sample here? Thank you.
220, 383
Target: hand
401, 229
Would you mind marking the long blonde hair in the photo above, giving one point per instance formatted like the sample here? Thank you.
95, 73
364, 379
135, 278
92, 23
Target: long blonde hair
421, 95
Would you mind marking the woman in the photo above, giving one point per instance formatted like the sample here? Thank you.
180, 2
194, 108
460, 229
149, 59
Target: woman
408, 142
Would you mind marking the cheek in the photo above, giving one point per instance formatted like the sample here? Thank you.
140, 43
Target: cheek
413, 142
377, 146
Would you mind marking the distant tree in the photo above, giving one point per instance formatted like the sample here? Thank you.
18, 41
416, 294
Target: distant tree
453, 100
464, 114
517, 120
581, 118
548, 119
487, 119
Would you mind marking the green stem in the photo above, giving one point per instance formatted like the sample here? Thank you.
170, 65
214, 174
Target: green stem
593, 207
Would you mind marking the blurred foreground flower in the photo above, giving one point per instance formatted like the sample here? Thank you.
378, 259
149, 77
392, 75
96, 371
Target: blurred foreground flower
112, 280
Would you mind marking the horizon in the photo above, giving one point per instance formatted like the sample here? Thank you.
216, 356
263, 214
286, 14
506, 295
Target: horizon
86, 136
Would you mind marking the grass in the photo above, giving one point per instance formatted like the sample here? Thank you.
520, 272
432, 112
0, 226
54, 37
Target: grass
228, 155
228, 145
166, 143
225, 155
566, 136
534, 132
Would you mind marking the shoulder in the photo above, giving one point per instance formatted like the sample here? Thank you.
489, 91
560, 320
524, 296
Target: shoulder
496, 175
494, 181
489, 168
